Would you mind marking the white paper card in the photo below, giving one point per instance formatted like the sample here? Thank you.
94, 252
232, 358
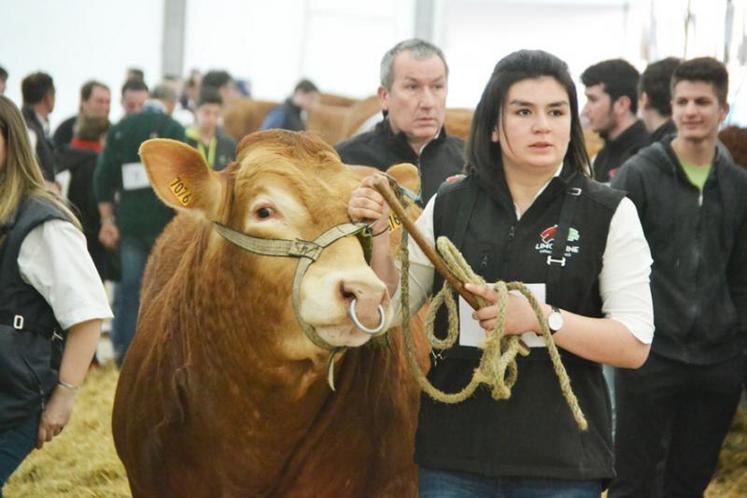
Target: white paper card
134, 176
471, 334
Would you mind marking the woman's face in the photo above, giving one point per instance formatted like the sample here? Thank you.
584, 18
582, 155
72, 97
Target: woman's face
535, 127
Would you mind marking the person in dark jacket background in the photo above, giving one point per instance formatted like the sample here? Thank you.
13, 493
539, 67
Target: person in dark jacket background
655, 97
95, 101
140, 215
76, 163
38, 94
412, 95
611, 106
292, 114
674, 412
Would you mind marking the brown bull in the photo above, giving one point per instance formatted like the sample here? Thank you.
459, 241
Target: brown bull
221, 393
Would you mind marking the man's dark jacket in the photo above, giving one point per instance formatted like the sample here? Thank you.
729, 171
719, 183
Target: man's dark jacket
699, 247
286, 116
81, 163
381, 148
616, 152
64, 133
44, 147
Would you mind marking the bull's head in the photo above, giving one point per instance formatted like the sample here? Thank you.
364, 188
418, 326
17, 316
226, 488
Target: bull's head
289, 187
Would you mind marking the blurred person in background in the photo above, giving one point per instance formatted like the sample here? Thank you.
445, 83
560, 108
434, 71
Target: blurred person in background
655, 98
292, 114
223, 82
134, 96
38, 103
675, 411
140, 215
611, 106
75, 166
95, 101
216, 147
3, 80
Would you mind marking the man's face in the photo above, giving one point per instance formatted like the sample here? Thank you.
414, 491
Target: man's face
2, 86
207, 116
50, 100
417, 99
98, 104
598, 109
696, 111
133, 101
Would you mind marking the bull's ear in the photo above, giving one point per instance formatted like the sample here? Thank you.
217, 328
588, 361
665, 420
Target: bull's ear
180, 176
406, 175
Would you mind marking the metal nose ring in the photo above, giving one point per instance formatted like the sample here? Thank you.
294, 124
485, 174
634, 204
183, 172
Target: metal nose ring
360, 326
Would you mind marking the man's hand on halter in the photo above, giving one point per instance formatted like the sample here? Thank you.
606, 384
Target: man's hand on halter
367, 205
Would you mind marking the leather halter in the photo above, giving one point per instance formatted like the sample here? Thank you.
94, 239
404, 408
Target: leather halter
306, 251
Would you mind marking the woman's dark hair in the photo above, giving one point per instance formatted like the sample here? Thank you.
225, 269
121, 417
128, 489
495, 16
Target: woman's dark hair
483, 156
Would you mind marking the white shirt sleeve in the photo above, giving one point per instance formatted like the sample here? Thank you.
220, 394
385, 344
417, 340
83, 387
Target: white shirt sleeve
54, 260
421, 269
624, 279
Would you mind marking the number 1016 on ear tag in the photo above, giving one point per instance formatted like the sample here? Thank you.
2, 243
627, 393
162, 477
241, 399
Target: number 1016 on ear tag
180, 191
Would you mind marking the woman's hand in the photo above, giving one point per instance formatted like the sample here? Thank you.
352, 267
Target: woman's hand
520, 317
367, 205
56, 414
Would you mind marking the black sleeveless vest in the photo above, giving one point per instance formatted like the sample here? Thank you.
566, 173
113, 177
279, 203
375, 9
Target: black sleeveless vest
30, 338
533, 433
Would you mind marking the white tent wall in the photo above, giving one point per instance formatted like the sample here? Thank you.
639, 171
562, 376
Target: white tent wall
78, 40
338, 43
335, 43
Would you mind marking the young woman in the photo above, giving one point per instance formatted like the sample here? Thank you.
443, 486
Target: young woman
528, 188
49, 289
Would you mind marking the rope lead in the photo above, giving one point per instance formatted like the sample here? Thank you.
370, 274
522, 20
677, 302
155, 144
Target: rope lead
497, 368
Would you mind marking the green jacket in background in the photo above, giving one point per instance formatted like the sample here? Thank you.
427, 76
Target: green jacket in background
138, 209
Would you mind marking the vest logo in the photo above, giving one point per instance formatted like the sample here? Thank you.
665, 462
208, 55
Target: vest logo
547, 238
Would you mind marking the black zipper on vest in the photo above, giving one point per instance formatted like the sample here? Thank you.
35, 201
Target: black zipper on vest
510, 236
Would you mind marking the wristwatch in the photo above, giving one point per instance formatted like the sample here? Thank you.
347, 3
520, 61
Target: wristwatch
554, 320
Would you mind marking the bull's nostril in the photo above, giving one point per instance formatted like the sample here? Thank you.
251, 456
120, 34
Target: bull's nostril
346, 294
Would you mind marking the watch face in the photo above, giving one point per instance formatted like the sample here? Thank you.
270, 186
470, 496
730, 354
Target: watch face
555, 321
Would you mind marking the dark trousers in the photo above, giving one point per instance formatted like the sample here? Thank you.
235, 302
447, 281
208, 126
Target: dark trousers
134, 252
671, 420
15, 445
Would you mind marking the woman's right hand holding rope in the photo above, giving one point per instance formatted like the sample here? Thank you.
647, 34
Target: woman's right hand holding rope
520, 316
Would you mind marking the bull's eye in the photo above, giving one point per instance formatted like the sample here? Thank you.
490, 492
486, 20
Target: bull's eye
263, 212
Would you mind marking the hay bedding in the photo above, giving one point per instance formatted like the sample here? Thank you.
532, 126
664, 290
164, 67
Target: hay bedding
82, 463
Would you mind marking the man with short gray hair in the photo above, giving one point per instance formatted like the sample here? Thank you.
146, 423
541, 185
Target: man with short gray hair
412, 96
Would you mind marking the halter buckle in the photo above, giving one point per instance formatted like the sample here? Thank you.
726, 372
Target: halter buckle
18, 322
304, 249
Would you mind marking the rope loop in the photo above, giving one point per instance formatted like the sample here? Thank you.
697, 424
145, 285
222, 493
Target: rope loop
497, 368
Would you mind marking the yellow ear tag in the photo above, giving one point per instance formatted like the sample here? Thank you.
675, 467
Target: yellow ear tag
181, 191
394, 222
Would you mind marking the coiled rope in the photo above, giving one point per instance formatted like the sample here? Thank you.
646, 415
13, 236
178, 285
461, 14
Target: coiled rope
497, 368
